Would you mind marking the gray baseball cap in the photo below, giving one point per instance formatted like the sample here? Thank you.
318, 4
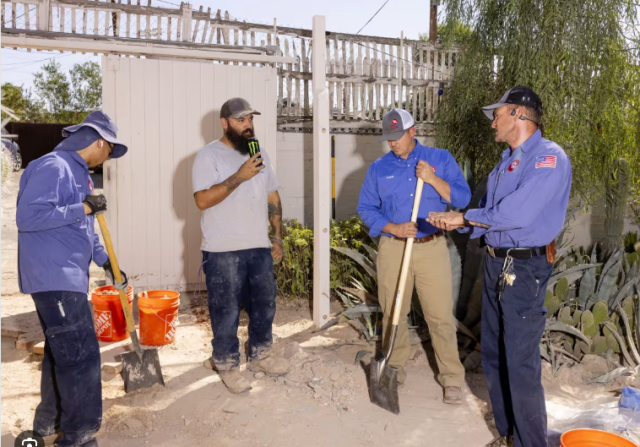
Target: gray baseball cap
395, 123
237, 108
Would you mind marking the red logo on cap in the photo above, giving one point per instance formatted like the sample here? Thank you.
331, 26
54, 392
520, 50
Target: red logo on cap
394, 123
514, 165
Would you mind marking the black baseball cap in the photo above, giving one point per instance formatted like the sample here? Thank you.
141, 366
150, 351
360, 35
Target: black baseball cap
520, 96
237, 108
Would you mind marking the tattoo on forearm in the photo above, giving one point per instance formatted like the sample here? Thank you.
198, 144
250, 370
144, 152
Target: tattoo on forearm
233, 182
275, 209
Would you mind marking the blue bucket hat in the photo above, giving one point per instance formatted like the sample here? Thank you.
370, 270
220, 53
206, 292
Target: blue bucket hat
107, 129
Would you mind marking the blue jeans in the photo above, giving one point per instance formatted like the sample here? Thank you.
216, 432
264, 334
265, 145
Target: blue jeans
236, 280
70, 388
512, 328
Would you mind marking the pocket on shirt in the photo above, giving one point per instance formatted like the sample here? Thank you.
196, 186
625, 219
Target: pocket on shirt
532, 313
72, 345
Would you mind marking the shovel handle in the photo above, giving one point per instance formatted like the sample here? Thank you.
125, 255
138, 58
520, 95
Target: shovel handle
406, 259
116, 272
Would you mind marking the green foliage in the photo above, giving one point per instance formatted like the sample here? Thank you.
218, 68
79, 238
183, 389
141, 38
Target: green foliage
59, 98
587, 324
600, 312
630, 240
294, 275
552, 303
562, 288
574, 54
617, 192
565, 316
599, 345
576, 317
612, 342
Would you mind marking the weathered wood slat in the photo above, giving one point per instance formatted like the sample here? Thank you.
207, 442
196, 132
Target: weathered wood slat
338, 70
27, 17
361, 87
280, 81
361, 79
305, 69
244, 41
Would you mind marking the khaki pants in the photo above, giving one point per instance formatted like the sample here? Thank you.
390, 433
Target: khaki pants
430, 271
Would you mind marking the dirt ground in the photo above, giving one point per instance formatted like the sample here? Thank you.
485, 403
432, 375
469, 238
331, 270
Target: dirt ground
322, 401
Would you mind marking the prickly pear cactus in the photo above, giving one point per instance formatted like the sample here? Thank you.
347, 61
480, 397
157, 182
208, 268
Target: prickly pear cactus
562, 289
565, 315
576, 318
552, 304
617, 191
612, 342
582, 348
599, 345
628, 306
632, 258
587, 324
600, 312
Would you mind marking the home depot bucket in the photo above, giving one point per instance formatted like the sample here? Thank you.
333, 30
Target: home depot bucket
593, 438
158, 310
108, 317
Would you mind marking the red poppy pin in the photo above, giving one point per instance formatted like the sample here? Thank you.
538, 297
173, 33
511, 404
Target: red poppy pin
514, 165
434, 168
90, 186
394, 123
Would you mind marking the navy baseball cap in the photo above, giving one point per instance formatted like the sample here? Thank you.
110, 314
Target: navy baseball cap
520, 96
107, 129
237, 108
395, 123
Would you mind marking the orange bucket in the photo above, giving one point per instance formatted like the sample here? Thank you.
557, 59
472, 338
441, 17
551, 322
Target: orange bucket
158, 310
108, 317
593, 438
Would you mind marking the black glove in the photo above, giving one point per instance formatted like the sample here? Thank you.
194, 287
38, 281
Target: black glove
97, 203
108, 269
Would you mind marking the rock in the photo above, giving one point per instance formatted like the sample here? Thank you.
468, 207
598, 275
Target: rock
344, 392
133, 424
291, 350
472, 361
259, 375
595, 365
112, 367
39, 348
208, 364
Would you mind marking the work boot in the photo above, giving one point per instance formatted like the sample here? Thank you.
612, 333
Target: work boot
502, 441
235, 383
271, 366
452, 395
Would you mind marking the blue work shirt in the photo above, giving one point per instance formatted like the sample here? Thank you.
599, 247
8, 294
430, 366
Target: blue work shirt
390, 184
56, 240
527, 196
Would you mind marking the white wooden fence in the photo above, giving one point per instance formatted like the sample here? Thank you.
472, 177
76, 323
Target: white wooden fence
366, 75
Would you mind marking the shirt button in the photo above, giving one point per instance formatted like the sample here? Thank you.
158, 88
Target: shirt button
410, 179
411, 195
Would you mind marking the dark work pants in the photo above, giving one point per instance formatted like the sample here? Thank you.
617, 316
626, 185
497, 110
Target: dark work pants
236, 280
512, 328
70, 388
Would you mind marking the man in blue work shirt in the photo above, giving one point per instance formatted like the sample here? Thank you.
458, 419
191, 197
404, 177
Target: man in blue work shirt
386, 202
56, 244
519, 219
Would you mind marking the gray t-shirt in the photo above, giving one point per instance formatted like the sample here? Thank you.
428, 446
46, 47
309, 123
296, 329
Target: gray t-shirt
241, 221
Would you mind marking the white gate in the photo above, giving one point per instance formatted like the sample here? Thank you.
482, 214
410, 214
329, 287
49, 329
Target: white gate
165, 111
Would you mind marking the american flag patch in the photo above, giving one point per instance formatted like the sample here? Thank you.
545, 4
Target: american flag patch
546, 161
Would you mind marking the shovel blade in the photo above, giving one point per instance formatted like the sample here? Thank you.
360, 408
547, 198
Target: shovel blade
383, 386
141, 373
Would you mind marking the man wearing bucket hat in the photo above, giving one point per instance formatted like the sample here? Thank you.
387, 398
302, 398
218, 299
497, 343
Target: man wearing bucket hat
238, 196
385, 205
518, 219
56, 244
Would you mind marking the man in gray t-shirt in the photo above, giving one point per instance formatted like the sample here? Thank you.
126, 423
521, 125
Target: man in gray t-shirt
238, 196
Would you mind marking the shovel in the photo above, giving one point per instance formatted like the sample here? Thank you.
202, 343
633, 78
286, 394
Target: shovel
383, 379
140, 369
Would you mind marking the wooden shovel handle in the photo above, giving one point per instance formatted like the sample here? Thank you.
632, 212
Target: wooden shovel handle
116, 272
406, 259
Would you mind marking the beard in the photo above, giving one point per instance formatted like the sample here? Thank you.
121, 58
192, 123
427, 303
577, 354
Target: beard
240, 141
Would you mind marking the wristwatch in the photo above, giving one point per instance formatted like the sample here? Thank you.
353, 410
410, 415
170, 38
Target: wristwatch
466, 222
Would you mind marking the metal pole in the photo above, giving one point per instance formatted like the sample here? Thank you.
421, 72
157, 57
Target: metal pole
433, 25
400, 68
333, 176
321, 177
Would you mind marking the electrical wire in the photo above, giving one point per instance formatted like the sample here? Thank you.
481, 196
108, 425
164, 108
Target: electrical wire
372, 17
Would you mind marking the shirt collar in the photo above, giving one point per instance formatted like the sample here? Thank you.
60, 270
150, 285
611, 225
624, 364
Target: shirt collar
532, 141
79, 159
413, 154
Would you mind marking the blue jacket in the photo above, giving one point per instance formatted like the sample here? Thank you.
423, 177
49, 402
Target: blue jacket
388, 189
527, 196
56, 241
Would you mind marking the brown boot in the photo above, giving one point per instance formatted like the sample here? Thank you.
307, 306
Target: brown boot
271, 366
502, 441
235, 383
452, 395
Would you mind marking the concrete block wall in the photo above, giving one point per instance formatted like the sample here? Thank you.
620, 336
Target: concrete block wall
354, 154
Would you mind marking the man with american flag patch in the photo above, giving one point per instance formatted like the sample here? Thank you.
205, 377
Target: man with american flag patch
518, 220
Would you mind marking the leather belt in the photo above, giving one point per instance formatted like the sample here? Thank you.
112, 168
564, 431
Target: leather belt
520, 253
422, 240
